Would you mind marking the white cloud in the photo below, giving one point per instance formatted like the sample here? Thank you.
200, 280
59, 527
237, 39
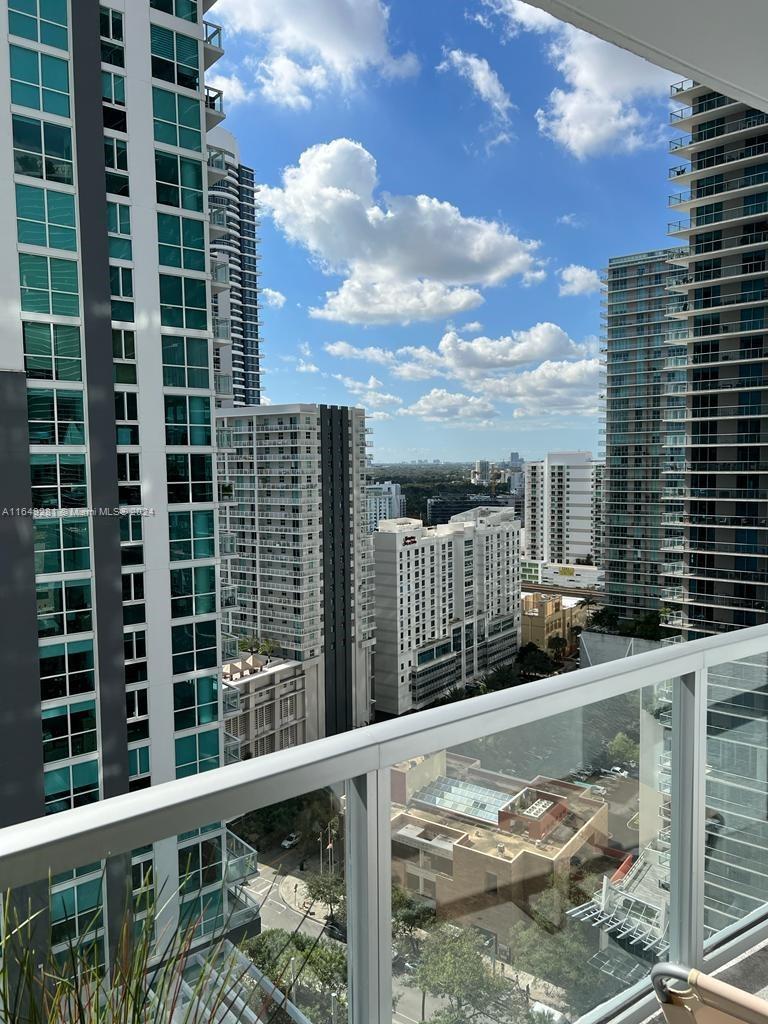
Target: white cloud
473, 327
378, 416
403, 258
368, 392
554, 388
570, 220
483, 79
598, 109
273, 298
234, 88
302, 366
455, 408
370, 353
578, 280
307, 45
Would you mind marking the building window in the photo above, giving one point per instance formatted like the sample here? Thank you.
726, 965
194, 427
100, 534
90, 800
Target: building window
195, 702
58, 481
55, 417
129, 478
48, 285
185, 363
193, 646
193, 591
137, 713
52, 352
177, 120
115, 161
76, 911
119, 227
124, 356
48, 26
190, 478
45, 218
138, 768
121, 285
192, 535
61, 545
175, 58
179, 182
182, 242
200, 864
197, 753
39, 81
64, 606
42, 150
66, 670
69, 731
126, 417
186, 9
187, 420
183, 302
112, 49
113, 88
131, 532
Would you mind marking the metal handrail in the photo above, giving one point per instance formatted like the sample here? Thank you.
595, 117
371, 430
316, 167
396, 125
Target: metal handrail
661, 973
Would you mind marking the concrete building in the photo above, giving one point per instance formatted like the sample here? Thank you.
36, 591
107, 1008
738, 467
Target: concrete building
447, 604
443, 507
481, 474
568, 577
233, 224
106, 395
563, 508
300, 573
545, 616
385, 501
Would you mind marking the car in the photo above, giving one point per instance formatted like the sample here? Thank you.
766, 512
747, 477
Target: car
291, 840
619, 773
600, 790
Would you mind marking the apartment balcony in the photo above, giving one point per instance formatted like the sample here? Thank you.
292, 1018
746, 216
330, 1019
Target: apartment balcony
226, 491
731, 130
222, 385
242, 861
231, 748
213, 43
222, 330
220, 279
230, 647
231, 700
216, 165
225, 439
214, 107
217, 222
230, 598
227, 544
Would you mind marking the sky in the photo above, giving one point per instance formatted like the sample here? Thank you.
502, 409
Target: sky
442, 182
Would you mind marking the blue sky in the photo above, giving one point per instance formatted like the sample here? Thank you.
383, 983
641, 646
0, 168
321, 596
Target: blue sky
441, 181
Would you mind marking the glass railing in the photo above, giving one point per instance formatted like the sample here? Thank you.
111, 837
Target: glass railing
222, 328
214, 100
231, 701
222, 384
532, 851
214, 35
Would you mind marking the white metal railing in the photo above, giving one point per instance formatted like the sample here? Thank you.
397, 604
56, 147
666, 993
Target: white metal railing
363, 760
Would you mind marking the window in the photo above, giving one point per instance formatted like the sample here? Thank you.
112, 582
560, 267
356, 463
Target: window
183, 302
190, 478
58, 481
192, 535
137, 712
69, 731
138, 766
182, 242
177, 120
121, 285
66, 670
48, 285
197, 753
124, 356
187, 420
112, 50
42, 21
119, 227
113, 88
185, 363
71, 786
52, 352
195, 702
76, 911
116, 160
133, 590
55, 417
186, 9
127, 417
42, 150
61, 545
131, 536
175, 58
193, 646
200, 864
129, 478
45, 218
179, 182
193, 591
39, 81
64, 606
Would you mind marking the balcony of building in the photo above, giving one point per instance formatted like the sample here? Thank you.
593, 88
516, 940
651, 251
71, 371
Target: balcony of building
214, 107
216, 164
230, 598
231, 700
220, 279
213, 43
217, 222
222, 330
222, 385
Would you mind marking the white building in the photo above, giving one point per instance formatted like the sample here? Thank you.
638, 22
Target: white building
447, 604
563, 508
385, 501
300, 573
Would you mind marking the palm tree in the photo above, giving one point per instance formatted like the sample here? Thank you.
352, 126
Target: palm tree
249, 645
267, 648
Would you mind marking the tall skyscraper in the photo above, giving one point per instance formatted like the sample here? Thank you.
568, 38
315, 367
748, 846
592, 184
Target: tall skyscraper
233, 222
294, 486
562, 508
447, 604
719, 572
107, 362
638, 407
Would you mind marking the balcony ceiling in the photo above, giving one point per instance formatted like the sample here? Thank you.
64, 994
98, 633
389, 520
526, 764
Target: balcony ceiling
719, 44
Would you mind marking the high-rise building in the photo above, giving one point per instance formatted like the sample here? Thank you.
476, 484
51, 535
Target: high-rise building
481, 474
563, 493
299, 569
107, 359
385, 501
447, 604
443, 507
233, 223
637, 409
718, 553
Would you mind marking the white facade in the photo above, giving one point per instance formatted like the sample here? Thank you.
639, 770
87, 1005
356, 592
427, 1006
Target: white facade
385, 501
563, 502
447, 604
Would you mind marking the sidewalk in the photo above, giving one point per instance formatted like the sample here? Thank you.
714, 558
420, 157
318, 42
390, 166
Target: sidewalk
293, 892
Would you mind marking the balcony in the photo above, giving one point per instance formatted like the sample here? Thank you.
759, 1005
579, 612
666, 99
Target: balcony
225, 439
222, 385
624, 780
219, 275
217, 221
213, 43
231, 748
214, 107
227, 544
226, 491
230, 598
222, 330
230, 647
216, 164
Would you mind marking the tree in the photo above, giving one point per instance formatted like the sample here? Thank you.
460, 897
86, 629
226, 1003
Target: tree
604, 620
249, 645
409, 917
558, 645
328, 889
267, 648
534, 663
622, 749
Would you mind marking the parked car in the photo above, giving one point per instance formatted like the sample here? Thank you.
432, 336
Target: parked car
291, 840
619, 773
600, 790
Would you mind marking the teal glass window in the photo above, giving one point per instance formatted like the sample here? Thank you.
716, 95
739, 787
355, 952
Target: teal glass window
66, 670
138, 762
52, 352
195, 702
71, 786
45, 218
39, 81
200, 864
76, 911
62, 545
177, 120
121, 284
124, 356
116, 163
197, 753
185, 362
42, 21
175, 58
58, 481
127, 417
179, 182
119, 227
55, 417
193, 646
69, 731
48, 285
192, 535
64, 606
193, 591
183, 302
112, 40
182, 242
113, 88
190, 478
187, 420
42, 150
186, 9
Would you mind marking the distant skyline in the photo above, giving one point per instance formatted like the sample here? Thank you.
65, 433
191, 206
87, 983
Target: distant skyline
441, 187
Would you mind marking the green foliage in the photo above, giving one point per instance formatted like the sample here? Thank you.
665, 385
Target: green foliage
644, 627
329, 889
622, 749
558, 645
534, 663
409, 917
309, 814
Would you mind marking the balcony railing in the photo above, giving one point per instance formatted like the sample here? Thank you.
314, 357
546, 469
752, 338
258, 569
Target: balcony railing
222, 328
231, 701
499, 812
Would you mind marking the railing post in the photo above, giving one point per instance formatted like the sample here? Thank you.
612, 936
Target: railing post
689, 781
369, 898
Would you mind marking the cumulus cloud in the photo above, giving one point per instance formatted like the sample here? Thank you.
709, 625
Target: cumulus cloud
483, 79
570, 220
578, 280
555, 388
441, 406
369, 353
234, 88
368, 392
403, 258
273, 297
305, 46
473, 327
303, 366
599, 106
